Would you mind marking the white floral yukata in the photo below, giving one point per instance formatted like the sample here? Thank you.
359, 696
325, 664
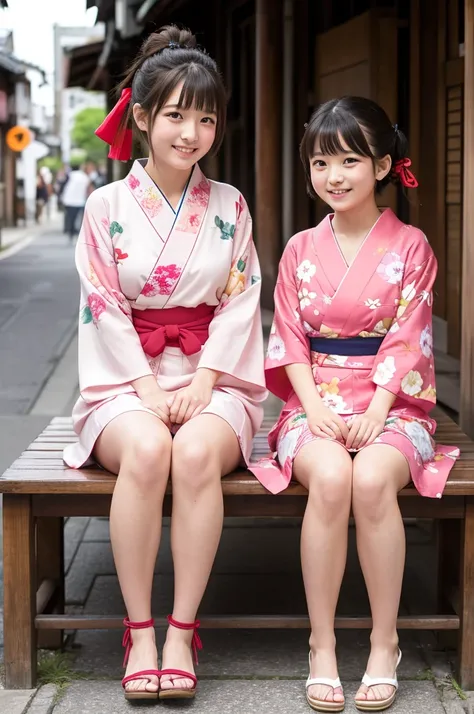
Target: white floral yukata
135, 252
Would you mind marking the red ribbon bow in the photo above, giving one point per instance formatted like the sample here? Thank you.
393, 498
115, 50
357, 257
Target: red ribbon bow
406, 177
120, 139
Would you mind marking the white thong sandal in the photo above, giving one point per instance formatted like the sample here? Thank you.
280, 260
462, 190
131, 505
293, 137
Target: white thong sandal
321, 705
379, 705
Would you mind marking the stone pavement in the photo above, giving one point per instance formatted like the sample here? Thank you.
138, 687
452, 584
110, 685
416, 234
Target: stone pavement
241, 672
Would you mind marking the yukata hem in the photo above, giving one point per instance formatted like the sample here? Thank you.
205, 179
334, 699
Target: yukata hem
78, 455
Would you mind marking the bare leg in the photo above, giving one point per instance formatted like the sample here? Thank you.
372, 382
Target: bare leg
137, 446
204, 449
380, 472
325, 469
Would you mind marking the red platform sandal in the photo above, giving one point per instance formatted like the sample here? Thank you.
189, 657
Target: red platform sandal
196, 644
127, 642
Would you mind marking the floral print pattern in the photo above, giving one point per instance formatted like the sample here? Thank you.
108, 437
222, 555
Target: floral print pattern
162, 281
305, 271
412, 383
91, 312
276, 348
386, 292
305, 297
385, 371
426, 342
151, 202
133, 182
391, 268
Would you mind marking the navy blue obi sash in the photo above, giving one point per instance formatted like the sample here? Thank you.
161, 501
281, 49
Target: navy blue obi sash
346, 346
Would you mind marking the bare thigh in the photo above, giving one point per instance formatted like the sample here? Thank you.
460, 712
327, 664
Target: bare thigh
125, 432
205, 437
322, 461
381, 467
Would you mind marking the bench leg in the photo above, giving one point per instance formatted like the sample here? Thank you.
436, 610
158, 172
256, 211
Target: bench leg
50, 566
448, 562
466, 595
19, 592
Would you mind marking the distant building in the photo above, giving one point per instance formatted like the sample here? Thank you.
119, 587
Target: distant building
70, 100
20, 105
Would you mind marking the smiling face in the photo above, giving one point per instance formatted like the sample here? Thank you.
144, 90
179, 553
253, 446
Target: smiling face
345, 179
179, 137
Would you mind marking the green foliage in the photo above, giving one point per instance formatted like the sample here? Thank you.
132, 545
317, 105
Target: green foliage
83, 136
57, 668
53, 163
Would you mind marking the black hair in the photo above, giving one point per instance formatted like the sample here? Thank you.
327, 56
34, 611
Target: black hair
363, 126
166, 59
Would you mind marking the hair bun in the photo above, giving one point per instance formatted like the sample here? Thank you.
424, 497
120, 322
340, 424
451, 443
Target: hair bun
169, 36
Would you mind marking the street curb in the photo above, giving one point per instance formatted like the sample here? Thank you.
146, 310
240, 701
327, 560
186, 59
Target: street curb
16, 247
44, 701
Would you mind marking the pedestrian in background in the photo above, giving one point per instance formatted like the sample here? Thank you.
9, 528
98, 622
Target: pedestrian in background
74, 197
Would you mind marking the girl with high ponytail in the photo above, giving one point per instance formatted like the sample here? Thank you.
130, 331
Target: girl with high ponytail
351, 355
170, 349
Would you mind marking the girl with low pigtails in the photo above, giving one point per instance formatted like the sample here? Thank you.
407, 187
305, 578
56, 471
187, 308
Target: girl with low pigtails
170, 346
351, 355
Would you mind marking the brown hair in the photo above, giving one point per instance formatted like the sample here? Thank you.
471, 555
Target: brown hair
365, 128
166, 59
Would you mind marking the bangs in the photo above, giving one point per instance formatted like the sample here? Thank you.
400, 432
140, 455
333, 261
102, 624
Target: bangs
328, 131
199, 90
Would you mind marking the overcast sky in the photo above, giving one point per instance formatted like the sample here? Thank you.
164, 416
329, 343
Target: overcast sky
32, 24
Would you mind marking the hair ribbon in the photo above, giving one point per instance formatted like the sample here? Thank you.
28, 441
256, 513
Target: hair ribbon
110, 131
407, 178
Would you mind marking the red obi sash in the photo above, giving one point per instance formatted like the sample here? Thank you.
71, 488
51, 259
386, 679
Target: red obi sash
183, 327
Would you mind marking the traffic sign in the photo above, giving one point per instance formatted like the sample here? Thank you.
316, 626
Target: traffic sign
18, 138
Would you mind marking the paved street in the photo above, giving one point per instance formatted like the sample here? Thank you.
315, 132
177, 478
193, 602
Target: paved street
38, 314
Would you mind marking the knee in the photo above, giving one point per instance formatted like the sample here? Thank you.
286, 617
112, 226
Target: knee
147, 462
372, 491
330, 490
194, 464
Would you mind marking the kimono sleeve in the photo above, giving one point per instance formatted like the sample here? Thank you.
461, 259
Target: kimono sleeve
235, 343
405, 363
288, 342
110, 352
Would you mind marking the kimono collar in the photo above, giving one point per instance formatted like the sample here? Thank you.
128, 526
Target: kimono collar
162, 216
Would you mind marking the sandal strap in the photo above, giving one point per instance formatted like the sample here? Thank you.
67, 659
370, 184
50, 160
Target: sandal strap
196, 643
127, 637
180, 674
333, 683
143, 674
375, 681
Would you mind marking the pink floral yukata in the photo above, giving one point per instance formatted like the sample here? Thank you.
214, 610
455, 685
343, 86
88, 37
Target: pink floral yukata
386, 292
135, 252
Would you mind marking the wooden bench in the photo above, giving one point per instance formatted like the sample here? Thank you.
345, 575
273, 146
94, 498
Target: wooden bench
39, 492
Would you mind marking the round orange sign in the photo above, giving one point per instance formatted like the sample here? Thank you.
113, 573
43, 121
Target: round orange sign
18, 138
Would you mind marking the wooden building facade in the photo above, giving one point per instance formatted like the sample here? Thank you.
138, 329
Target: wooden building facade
280, 59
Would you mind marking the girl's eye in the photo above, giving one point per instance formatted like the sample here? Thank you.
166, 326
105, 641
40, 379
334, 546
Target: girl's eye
351, 160
208, 120
174, 115
319, 163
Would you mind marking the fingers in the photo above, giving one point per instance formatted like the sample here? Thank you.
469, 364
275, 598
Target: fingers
376, 431
180, 407
163, 415
353, 433
343, 428
198, 410
361, 436
193, 407
325, 428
